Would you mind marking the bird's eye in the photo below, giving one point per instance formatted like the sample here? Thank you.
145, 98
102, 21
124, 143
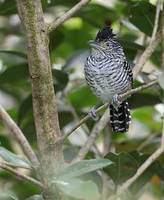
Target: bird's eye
107, 44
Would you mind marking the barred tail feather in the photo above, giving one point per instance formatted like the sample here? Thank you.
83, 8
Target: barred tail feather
120, 118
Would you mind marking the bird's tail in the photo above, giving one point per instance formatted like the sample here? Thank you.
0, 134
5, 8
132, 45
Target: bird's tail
120, 118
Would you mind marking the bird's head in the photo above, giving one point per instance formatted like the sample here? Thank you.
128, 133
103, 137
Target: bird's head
104, 42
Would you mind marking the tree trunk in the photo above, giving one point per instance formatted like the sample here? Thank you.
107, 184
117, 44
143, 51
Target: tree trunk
44, 102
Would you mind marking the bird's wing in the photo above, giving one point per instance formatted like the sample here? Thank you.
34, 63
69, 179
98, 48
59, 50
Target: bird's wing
128, 69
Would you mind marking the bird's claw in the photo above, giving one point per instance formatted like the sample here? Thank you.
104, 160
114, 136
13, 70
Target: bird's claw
115, 101
92, 114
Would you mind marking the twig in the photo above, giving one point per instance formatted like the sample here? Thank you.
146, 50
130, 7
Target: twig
84, 127
103, 107
99, 126
147, 53
162, 64
67, 15
154, 41
16, 131
133, 91
159, 151
19, 175
16, 166
162, 139
141, 169
162, 27
156, 22
102, 123
146, 142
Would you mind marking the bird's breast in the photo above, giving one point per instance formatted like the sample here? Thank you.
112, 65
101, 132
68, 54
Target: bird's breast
105, 77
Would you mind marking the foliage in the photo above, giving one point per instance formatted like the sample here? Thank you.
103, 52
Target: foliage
133, 21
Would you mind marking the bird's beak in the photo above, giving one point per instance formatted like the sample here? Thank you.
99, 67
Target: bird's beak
94, 45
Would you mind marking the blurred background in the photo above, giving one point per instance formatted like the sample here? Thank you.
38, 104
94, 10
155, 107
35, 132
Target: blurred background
132, 21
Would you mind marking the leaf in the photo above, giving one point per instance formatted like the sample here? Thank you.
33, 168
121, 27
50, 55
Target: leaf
82, 167
24, 108
142, 15
130, 48
65, 117
143, 99
35, 197
76, 188
146, 116
70, 3
90, 12
14, 74
124, 166
154, 169
60, 79
7, 7
8, 196
16, 53
130, 45
82, 97
13, 158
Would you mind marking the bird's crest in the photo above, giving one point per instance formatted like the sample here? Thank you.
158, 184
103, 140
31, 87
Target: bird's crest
104, 34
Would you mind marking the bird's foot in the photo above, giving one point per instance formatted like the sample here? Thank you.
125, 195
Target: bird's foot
116, 101
92, 114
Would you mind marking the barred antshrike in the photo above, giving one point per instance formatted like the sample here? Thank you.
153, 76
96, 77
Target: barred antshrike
108, 74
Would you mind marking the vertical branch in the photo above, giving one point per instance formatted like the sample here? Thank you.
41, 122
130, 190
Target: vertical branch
44, 102
19, 136
92, 137
162, 66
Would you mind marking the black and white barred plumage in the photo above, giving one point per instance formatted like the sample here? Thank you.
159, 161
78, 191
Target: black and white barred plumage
108, 74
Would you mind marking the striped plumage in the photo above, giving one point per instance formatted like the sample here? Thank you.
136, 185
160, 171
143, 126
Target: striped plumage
108, 74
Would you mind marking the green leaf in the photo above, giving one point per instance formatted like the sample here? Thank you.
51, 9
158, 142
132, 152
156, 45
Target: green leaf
60, 79
14, 74
130, 45
78, 189
142, 15
82, 97
7, 7
70, 3
124, 166
25, 107
90, 12
16, 53
35, 197
143, 99
13, 158
154, 169
82, 167
130, 48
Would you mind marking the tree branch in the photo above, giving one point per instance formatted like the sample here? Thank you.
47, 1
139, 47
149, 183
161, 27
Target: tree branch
160, 150
147, 53
99, 126
19, 136
141, 169
67, 15
156, 38
16, 166
19, 175
156, 22
43, 97
103, 107
162, 64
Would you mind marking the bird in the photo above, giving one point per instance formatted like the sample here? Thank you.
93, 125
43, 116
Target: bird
108, 74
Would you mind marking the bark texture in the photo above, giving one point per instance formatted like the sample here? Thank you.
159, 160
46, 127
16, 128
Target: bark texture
44, 103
